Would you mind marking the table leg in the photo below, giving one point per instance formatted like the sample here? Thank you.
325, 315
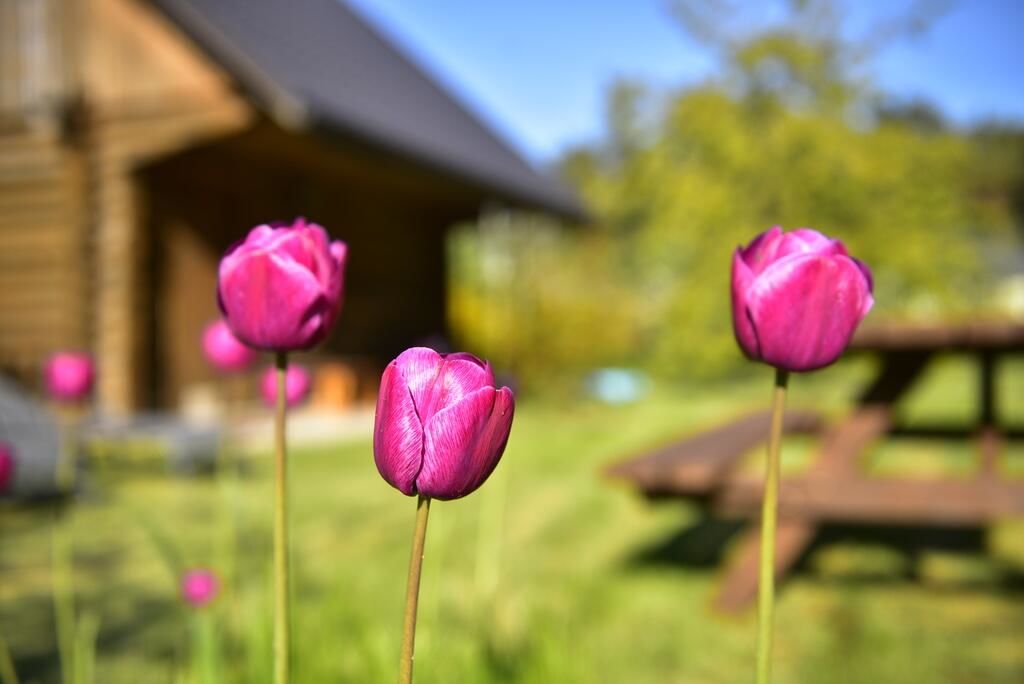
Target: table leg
739, 587
990, 441
987, 388
840, 453
990, 446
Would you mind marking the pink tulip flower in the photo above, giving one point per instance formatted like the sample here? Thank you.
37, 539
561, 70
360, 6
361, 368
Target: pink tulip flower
6, 466
69, 376
281, 288
441, 425
199, 586
797, 298
223, 350
296, 385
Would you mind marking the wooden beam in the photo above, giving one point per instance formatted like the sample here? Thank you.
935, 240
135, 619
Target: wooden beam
737, 591
1000, 336
990, 448
880, 500
697, 465
953, 433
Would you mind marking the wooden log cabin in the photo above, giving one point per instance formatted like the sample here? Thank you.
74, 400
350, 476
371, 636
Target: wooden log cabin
140, 138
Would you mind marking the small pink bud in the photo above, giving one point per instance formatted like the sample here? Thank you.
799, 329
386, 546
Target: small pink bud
199, 586
281, 288
296, 385
223, 350
7, 464
441, 425
69, 376
797, 298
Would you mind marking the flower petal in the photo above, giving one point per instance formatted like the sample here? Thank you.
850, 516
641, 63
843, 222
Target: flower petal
439, 380
223, 350
869, 301
743, 329
809, 241
7, 464
464, 442
463, 374
397, 433
334, 287
258, 238
420, 366
301, 244
69, 376
271, 302
761, 250
805, 310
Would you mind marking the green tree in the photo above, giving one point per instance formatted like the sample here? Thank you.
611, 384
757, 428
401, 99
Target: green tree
789, 134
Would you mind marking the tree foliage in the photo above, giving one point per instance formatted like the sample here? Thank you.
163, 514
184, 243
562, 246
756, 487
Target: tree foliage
790, 134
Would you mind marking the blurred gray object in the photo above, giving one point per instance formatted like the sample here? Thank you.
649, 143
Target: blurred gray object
183, 446
35, 437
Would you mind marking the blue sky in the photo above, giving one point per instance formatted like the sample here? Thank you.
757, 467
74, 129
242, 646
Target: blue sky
537, 71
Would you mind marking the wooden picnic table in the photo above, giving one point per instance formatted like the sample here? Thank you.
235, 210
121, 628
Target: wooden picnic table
835, 487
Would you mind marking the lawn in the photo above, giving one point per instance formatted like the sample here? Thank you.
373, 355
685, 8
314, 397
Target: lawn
548, 574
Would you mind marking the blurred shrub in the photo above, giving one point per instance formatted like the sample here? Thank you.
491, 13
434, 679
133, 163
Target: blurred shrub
787, 135
539, 301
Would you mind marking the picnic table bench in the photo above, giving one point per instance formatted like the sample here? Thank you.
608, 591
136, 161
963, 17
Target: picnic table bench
835, 488
699, 465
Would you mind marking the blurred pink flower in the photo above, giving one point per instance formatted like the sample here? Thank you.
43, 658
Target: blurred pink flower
441, 425
797, 298
296, 385
199, 586
281, 288
223, 350
69, 376
6, 466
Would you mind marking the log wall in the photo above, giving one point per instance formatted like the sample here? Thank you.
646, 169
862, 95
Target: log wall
72, 217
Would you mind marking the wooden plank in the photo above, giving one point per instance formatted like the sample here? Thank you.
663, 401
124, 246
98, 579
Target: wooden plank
697, 464
1006, 336
951, 432
844, 445
18, 306
895, 501
22, 245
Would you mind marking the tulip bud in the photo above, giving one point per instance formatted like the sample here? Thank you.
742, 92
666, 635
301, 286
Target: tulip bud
6, 466
223, 350
797, 298
441, 426
199, 587
296, 385
281, 288
69, 376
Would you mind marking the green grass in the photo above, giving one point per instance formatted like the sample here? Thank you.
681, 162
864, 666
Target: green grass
547, 574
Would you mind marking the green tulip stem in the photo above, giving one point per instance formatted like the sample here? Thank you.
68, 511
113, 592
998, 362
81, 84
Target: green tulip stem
62, 549
282, 622
412, 591
769, 516
8, 675
63, 595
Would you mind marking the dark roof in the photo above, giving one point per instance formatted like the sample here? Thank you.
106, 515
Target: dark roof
316, 64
